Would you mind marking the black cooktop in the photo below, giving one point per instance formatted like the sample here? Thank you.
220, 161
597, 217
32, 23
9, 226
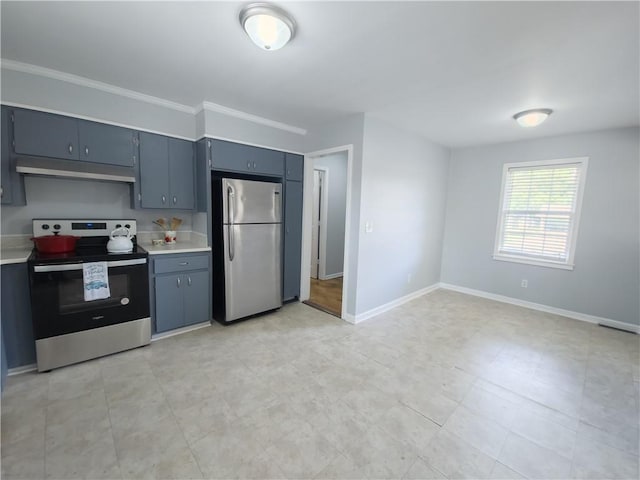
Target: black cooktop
94, 250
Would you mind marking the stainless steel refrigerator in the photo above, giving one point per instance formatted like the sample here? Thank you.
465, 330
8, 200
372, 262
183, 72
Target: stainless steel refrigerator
251, 218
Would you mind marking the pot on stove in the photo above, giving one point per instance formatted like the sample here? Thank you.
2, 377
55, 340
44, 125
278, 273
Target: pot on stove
120, 241
55, 243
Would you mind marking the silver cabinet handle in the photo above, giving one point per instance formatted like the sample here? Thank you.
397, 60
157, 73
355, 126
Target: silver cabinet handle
1, 192
254, 165
189, 281
230, 215
178, 281
249, 165
184, 263
164, 199
175, 199
70, 148
86, 150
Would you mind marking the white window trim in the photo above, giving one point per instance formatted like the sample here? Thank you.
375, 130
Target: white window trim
573, 232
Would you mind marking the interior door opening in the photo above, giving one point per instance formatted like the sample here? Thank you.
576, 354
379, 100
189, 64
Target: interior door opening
328, 232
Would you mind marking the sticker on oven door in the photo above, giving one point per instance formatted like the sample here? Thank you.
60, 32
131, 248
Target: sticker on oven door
124, 301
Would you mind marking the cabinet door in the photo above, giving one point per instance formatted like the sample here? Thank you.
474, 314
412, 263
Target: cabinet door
45, 135
292, 240
154, 171
100, 143
169, 305
196, 297
236, 157
294, 166
230, 156
181, 174
17, 328
5, 173
269, 162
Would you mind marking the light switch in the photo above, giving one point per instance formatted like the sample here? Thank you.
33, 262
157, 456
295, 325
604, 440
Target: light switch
368, 227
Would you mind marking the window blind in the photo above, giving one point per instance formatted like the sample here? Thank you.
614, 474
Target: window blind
539, 211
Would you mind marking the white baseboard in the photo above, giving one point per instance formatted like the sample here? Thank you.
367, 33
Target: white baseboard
629, 327
23, 369
388, 306
179, 331
331, 276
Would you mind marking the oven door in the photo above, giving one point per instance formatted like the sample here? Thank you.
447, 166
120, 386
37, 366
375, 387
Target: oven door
59, 307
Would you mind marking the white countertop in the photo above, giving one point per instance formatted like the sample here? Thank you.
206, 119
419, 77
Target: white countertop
179, 247
14, 255
188, 242
15, 248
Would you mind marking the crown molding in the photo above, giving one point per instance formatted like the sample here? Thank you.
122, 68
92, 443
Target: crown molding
142, 97
94, 84
214, 107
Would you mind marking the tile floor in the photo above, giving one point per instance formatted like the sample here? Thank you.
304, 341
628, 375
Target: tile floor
447, 386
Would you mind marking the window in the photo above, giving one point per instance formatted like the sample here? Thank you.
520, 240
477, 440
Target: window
539, 212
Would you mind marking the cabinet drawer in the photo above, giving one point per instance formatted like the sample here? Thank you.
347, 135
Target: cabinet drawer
181, 263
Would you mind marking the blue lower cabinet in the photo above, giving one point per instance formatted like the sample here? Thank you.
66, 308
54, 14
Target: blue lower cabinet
3, 363
196, 293
19, 346
169, 308
181, 291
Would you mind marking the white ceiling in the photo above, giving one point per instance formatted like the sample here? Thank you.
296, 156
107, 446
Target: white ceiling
453, 71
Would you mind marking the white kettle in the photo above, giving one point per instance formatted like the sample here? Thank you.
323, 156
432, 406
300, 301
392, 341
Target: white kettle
120, 241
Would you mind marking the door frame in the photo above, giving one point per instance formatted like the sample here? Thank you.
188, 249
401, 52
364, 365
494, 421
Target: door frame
307, 213
322, 239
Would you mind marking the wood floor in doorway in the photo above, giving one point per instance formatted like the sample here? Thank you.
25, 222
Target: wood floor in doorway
326, 295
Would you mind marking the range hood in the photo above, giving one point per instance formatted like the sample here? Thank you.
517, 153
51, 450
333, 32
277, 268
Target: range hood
54, 167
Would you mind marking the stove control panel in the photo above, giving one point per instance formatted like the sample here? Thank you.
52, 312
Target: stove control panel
80, 227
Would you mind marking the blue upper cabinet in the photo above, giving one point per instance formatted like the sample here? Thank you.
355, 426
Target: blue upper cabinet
154, 171
166, 172
101, 143
181, 175
45, 135
12, 183
294, 166
235, 157
5, 173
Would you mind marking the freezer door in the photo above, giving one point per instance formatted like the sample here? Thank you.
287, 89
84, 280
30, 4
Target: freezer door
248, 201
252, 269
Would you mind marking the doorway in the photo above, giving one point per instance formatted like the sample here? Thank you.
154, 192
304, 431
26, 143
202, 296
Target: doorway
328, 219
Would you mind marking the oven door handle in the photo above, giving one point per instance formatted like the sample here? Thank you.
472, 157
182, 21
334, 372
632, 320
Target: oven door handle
66, 267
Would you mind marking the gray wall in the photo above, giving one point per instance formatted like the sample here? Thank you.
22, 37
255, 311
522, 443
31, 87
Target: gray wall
606, 278
225, 127
404, 178
34, 91
336, 191
63, 198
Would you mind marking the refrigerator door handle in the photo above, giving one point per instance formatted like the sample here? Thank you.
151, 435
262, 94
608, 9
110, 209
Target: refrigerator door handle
230, 215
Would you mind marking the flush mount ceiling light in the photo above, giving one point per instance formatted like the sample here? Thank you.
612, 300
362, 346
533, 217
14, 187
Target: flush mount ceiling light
532, 118
268, 26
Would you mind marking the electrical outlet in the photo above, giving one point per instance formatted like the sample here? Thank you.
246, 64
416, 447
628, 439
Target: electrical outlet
368, 227
524, 283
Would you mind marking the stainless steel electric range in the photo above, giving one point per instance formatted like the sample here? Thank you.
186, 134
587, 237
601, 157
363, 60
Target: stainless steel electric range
68, 327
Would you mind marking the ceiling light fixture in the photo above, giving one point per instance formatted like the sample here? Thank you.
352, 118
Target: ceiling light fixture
532, 118
268, 26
